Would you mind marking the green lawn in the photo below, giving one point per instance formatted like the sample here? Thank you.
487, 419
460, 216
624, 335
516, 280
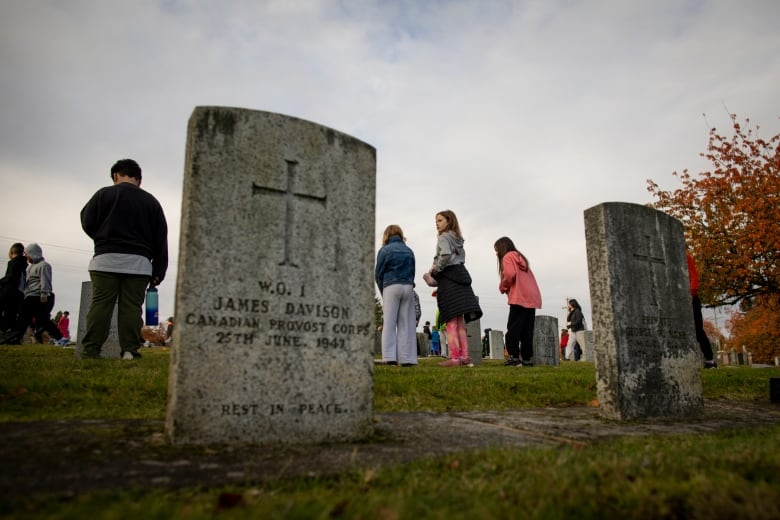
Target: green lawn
732, 474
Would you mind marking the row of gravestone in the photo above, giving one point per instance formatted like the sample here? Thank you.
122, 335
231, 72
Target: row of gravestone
275, 294
546, 343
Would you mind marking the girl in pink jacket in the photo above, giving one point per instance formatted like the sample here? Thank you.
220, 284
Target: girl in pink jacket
519, 284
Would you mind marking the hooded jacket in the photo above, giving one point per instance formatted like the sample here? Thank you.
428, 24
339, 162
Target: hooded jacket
518, 282
38, 273
449, 251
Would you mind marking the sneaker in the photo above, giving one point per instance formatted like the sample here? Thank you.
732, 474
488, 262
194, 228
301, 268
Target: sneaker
127, 356
525, 363
466, 362
450, 363
63, 342
407, 364
512, 362
392, 363
710, 364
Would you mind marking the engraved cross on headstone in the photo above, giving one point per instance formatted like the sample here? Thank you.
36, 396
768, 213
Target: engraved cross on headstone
290, 195
651, 260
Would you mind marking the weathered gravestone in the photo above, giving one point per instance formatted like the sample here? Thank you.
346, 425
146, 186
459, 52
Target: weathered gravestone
473, 331
275, 290
496, 344
646, 355
422, 344
587, 350
111, 348
546, 345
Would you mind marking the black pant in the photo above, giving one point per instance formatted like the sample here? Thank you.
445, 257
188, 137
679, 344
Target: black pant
520, 332
701, 336
9, 309
34, 308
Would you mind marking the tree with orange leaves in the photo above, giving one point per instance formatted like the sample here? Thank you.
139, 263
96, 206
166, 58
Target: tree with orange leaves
731, 217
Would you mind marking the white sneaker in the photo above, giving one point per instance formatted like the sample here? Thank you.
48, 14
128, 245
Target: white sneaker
127, 356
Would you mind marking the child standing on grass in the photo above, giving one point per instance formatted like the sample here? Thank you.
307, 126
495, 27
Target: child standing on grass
454, 295
517, 281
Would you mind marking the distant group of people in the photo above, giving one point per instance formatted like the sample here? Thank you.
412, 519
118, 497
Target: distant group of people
130, 236
457, 304
455, 299
27, 297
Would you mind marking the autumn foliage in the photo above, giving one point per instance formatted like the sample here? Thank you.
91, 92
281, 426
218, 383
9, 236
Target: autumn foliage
731, 216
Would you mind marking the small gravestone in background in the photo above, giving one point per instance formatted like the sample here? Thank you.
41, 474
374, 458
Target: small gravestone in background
546, 343
646, 355
275, 291
473, 333
422, 344
496, 344
111, 349
587, 349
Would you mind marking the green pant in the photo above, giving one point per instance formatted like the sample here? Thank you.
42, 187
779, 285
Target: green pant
107, 289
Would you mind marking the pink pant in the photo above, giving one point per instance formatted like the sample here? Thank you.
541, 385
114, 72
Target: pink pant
457, 341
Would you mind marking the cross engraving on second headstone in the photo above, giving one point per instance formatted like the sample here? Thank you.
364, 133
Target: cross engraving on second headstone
651, 260
289, 219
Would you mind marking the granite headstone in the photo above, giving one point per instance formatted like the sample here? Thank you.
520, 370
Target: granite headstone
646, 355
275, 292
546, 342
496, 344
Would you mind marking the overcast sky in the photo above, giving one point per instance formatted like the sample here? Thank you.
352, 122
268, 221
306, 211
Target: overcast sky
517, 115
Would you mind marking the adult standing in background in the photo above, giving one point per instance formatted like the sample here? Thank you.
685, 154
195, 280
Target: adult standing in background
698, 319
575, 321
130, 235
394, 277
517, 281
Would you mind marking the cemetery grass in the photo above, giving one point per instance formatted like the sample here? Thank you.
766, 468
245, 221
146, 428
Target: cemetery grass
731, 474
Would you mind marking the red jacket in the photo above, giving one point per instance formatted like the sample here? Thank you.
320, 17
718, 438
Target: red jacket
693, 275
518, 282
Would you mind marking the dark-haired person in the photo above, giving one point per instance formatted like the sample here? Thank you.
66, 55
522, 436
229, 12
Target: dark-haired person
575, 320
130, 235
517, 281
12, 287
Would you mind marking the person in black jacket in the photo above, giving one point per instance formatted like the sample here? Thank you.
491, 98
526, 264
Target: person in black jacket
12, 287
130, 235
575, 321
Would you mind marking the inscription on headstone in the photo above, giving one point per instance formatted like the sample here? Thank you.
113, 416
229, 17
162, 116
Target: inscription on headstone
111, 349
647, 360
546, 345
274, 298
